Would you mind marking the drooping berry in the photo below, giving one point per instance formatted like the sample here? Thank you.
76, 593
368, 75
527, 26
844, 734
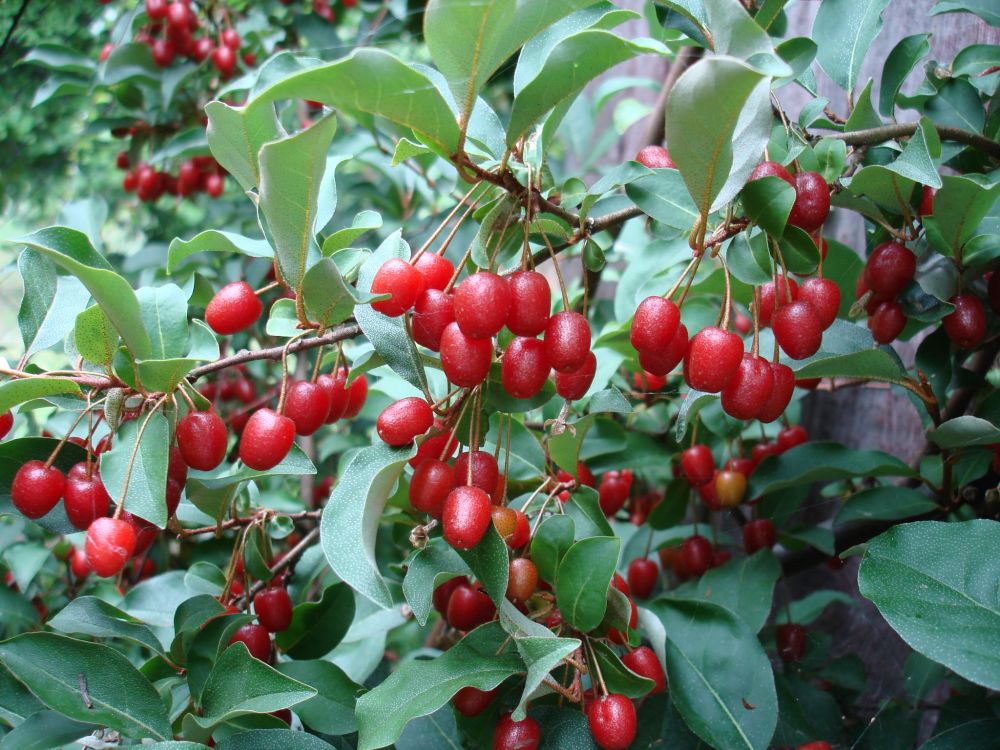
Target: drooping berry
202, 439
574, 385
781, 393
6, 422
696, 555
465, 517
664, 361
798, 329
336, 390
274, 608
525, 367
234, 308
758, 534
469, 607
762, 450
110, 543
436, 270
516, 735
79, 566
465, 360
655, 157
824, 296
712, 359
266, 439
792, 640
927, 200
613, 492
642, 576
37, 488
522, 579
482, 303
654, 324
644, 663
85, 498
771, 169
357, 393
431, 483
791, 436
966, 325
812, 201
402, 282
484, 470
781, 291
531, 303
887, 322
748, 391
402, 421
567, 341
432, 313
730, 488
442, 594
308, 405
697, 464
256, 639
889, 269
471, 702
612, 721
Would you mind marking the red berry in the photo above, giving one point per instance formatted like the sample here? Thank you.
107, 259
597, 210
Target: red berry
79, 566
798, 329
749, 390
110, 543
469, 607
654, 324
642, 575
471, 702
762, 450
696, 555
336, 390
819, 745
234, 308
824, 296
808, 384
777, 293
791, 436
231, 39
709, 494
574, 385
214, 185
647, 381
698, 464
6, 422
274, 609
224, 60
156, 9
522, 531
307, 405
758, 534
516, 735
525, 367
436, 270
163, 52
567, 341
105, 53
357, 394
612, 721
771, 169
266, 439
663, 362
613, 492
202, 439
644, 663
402, 421
465, 360
256, 639
202, 49
812, 201
402, 282
85, 498
887, 322
442, 594
966, 325
440, 445
121, 160
530, 303
655, 157
482, 303
792, 641
889, 269
712, 360
781, 393
926, 203
465, 517
36, 488
485, 471
431, 483
522, 579
432, 313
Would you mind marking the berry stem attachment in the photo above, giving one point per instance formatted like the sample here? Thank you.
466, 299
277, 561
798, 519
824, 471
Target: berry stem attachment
597, 667
284, 371
559, 276
434, 235
755, 312
727, 300
66, 437
319, 362
266, 288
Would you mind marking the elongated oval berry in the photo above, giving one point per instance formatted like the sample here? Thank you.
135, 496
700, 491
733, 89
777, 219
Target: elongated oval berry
812, 201
110, 543
78, 565
748, 392
791, 436
400, 422
643, 662
574, 385
613, 492
202, 439
783, 380
256, 639
6, 422
654, 324
758, 534
927, 200
469, 607
771, 169
530, 303
642, 576
655, 157
696, 555
525, 367
441, 444
482, 303
484, 470
471, 702
36, 488
436, 270
442, 593
430, 485
887, 322
335, 386
431, 315
824, 296
966, 325
798, 329
730, 488
889, 269
516, 735
612, 721
357, 394
567, 341
712, 359
234, 308
465, 360
266, 439
781, 291
664, 361
792, 639
84, 497
466, 517
698, 464
307, 405
274, 609
402, 282
522, 579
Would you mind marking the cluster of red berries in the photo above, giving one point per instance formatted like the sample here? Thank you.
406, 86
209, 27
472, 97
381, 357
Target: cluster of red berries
199, 173
273, 607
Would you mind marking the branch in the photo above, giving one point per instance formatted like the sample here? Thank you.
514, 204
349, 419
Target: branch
286, 562
13, 26
904, 129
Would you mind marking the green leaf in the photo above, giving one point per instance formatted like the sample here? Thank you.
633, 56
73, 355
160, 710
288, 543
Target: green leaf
427, 568
884, 504
916, 162
164, 313
550, 543
619, 678
388, 335
236, 135
962, 432
351, 517
15, 392
831, 153
216, 241
959, 206
317, 627
845, 30
72, 251
328, 298
53, 667
811, 606
364, 222
744, 586
49, 305
47, 730
980, 734
273, 739
948, 612
419, 687
768, 202
94, 337
240, 684
541, 655
898, 65
729, 703
570, 66
804, 712
583, 579
820, 461
331, 711
91, 616
715, 156
848, 351
490, 563
294, 464
206, 646
136, 468
985, 9
585, 510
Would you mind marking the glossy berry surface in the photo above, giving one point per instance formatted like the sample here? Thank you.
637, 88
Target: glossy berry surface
110, 543
234, 308
642, 575
696, 555
798, 329
432, 313
531, 303
430, 484
889, 269
771, 169
442, 594
6, 422
819, 745
336, 390
612, 722
612, 492
525, 367
465, 517
273, 607
750, 389
402, 421
482, 302
522, 579
465, 360
402, 282
758, 534
655, 157
574, 385
357, 393
36, 488
202, 438
79, 566
307, 404
966, 325
664, 361
436, 270
824, 296
712, 359
643, 662
85, 498
266, 439
567, 341
516, 735
730, 488
792, 640
470, 701
781, 291
654, 324
887, 322
484, 470
697, 464
469, 607
256, 639
791, 436
812, 201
